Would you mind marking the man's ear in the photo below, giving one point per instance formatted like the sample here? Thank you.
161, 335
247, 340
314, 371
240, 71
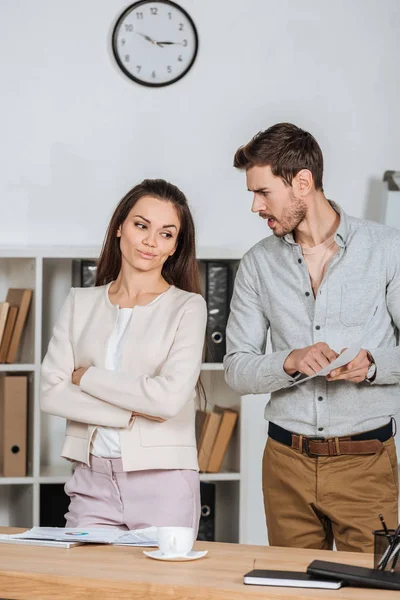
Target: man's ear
303, 182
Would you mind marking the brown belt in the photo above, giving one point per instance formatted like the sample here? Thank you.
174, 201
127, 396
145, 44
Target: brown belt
334, 446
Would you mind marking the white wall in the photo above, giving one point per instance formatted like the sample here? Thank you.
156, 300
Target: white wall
76, 134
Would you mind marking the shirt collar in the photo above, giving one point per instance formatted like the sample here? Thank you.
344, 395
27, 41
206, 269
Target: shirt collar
341, 233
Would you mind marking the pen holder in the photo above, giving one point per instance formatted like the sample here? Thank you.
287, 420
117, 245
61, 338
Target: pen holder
381, 543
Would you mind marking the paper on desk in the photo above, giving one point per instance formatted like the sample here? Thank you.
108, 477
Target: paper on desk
93, 535
14, 539
343, 359
139, 537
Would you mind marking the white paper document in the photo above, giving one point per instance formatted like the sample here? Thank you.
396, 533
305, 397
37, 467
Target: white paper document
348, 355
69, 536
343, 359
138, 537
14, 539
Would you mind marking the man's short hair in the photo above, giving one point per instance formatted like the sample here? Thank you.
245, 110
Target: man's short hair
286, 149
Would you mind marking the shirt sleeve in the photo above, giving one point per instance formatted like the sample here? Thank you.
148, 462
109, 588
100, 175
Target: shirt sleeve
387, 360
166, 394
248, 370
58, 395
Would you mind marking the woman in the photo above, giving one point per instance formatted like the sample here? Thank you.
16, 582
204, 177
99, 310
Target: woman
123, 366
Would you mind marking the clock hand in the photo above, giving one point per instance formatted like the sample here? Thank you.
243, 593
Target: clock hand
146, 37
169, 43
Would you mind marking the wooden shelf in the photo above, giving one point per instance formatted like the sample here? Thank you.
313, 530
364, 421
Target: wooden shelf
13, 367
16, 481
222, 476
212, 367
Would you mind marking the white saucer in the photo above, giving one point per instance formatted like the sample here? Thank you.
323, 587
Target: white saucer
192, 555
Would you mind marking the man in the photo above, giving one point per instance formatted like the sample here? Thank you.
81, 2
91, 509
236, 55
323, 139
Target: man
323, 282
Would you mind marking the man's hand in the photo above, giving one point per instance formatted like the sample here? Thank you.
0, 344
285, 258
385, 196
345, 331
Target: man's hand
355, 371
77, 375
309, 360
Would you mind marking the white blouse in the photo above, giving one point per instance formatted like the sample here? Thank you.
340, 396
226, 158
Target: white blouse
105, 441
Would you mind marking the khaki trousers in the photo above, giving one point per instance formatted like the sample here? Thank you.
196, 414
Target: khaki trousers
309, 502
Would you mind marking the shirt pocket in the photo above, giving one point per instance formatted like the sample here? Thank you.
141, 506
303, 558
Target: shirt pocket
358, 302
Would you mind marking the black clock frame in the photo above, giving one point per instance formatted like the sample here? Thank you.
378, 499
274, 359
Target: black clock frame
129, 9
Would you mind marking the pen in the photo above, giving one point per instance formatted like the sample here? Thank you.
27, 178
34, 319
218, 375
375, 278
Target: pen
394, 563
384, 525
392, 546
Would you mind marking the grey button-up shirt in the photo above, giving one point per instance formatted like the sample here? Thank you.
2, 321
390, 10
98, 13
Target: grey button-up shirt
273, 293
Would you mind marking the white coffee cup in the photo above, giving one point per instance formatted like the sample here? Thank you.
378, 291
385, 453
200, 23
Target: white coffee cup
175, 541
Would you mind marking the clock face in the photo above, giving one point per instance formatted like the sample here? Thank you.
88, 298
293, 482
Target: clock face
155, 42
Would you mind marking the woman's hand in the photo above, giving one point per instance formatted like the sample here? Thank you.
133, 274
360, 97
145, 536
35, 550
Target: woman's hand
158, 419
77, 375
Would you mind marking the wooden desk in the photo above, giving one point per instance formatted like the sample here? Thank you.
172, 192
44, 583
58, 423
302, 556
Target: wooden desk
114, 572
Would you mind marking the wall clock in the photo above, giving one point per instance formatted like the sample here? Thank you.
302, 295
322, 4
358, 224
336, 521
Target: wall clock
155, 42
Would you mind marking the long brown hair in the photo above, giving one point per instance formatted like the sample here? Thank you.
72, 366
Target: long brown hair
181, 269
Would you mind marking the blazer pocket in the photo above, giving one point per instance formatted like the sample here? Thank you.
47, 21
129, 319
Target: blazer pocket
78, 430
358, 302
173, 432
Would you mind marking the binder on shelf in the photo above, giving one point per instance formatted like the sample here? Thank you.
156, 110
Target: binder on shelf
4, 306
13, 424
54, 504
20, 298
224, 435
84, 273
207, 512
7, 334
206, 439
217, 298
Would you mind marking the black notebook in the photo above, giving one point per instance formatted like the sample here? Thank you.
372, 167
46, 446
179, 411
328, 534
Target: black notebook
355, 576
290, 579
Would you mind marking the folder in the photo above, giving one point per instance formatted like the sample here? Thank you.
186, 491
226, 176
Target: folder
218, 291
8, 331
84, 273
207, 438
228, 422
20, 298
13, 424
207, 512
4, 306
353, 575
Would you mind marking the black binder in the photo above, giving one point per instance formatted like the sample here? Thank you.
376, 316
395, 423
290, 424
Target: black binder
84, 273
218, 290
207, 518
54, 503
355, 576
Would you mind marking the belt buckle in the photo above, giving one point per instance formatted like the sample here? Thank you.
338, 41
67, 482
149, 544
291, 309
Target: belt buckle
306, 446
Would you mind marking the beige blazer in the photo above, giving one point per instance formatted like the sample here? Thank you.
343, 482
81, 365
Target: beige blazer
159, 369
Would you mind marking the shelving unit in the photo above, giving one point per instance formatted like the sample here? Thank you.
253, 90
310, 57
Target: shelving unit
48, 271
